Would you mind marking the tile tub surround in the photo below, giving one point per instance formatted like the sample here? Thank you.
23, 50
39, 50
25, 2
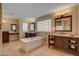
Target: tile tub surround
14, 49
31, 43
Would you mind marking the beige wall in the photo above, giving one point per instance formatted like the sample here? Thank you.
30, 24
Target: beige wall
78, 19
0, 30
22, 34
6, 25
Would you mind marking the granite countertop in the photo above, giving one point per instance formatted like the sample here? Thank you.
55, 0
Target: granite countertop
11, 33
31, 32
66, 35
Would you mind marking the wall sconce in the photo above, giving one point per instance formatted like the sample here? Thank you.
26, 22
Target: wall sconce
62, 15
66, 14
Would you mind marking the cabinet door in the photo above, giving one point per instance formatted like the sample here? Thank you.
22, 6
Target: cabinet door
65, 42
58, 41
5, 37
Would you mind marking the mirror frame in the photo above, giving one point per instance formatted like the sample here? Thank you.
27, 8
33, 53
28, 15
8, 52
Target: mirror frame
13, 25
62, 17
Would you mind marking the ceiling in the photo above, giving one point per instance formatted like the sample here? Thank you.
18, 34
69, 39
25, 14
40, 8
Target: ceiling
32, 10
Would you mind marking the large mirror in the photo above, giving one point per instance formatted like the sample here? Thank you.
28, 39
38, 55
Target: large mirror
13, 27
32, 26
63, 23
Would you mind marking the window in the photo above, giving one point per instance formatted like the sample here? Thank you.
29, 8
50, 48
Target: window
44, 26
25, 27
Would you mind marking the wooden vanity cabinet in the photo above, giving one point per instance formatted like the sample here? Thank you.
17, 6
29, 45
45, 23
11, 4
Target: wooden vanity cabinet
13, 36
70, 44
5, 36
30, 34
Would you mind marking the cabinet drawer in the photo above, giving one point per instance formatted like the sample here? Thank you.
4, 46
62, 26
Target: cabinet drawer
13, 37
73, 47
72, 41
59, 41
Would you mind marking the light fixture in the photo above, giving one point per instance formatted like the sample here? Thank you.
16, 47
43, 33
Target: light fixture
62, 15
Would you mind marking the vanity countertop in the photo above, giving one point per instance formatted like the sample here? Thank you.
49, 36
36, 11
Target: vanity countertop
31, 32
13, 33
66, 35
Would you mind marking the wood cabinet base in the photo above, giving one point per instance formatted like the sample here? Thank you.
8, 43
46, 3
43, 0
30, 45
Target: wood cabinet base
5, 36
69, 44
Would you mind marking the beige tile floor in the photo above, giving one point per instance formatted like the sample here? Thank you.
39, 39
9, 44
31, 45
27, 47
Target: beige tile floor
14, 49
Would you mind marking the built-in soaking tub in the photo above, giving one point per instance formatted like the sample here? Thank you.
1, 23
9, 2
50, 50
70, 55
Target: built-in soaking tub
29, 44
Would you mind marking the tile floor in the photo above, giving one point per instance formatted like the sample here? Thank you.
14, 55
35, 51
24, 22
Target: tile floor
14, 49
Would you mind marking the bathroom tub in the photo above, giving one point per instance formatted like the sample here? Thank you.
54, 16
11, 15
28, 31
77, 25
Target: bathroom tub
29, 44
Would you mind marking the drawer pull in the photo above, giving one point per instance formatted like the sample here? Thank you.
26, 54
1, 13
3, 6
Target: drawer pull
73, 42
72, 47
